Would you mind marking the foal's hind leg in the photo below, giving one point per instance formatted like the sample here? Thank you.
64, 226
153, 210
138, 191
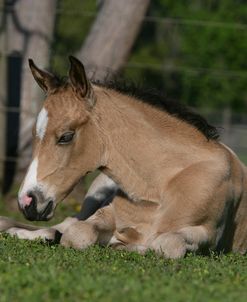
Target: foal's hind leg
138, 248
194, 214
172, 244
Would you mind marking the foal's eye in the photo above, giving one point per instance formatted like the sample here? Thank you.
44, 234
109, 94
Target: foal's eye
66, 138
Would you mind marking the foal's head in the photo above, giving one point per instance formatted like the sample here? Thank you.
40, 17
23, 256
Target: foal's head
65, 142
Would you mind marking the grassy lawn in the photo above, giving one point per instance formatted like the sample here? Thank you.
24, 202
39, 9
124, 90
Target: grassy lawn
32, 271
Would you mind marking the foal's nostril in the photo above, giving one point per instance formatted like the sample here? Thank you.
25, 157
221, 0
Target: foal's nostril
25, 200
36, 196
32, 196
30, 211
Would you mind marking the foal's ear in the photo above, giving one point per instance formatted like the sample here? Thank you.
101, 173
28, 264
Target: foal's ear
79, 81
47, 81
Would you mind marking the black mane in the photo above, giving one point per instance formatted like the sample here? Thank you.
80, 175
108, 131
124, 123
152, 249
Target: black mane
159, 100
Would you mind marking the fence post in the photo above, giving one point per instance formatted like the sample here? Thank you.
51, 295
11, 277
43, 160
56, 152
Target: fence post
3, 92
14, 68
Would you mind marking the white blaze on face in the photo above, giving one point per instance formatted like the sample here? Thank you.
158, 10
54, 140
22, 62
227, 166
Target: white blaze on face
30, 180
31, 184
41, 124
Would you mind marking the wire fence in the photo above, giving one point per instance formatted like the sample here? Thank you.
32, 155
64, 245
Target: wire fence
147, 19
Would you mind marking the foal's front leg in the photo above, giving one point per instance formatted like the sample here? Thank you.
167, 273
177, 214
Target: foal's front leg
31, 232
98, 228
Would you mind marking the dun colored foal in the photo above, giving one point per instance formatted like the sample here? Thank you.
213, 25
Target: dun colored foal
174, 187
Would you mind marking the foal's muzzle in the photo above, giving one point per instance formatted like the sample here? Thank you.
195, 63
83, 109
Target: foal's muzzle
31, 211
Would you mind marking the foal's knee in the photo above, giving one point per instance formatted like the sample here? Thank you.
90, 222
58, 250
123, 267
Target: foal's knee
80, 235
177, 244
196, 237
170, 245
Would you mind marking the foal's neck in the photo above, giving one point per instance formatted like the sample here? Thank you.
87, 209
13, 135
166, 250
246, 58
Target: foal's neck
140, 144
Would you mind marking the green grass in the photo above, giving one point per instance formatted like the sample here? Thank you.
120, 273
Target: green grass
32, 271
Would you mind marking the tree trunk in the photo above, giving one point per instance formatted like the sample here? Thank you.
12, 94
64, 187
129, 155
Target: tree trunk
30, 27
112, 35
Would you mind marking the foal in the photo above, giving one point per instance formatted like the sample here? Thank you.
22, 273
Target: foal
183, 190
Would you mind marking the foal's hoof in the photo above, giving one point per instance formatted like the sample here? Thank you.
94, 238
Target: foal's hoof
79, 236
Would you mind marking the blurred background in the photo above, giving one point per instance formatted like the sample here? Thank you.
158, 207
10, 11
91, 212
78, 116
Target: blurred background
193, 51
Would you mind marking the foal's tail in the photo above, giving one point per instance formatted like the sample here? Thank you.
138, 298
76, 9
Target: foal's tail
7, 223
